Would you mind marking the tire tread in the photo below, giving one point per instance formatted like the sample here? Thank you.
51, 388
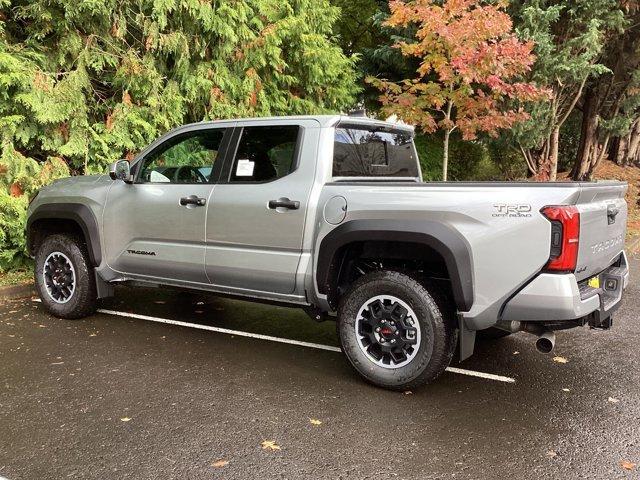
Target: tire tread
439, 307
86, 301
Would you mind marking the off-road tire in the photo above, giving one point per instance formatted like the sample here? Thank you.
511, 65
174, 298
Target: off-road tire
83, 300
435, 316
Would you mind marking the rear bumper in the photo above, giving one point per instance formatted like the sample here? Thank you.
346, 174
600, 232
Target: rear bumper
551, 297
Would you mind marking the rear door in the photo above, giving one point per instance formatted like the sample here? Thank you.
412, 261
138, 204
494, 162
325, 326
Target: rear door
256, 216
155, 227
603, 225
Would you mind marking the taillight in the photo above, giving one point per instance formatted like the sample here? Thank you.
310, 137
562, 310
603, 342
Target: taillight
565, 235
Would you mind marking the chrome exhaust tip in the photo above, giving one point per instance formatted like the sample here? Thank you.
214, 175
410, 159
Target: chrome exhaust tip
546, 341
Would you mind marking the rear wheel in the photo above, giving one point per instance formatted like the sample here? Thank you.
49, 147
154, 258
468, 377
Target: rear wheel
64, 277
397, 332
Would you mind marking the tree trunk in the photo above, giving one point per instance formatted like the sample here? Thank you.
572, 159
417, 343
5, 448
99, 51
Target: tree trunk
553, 154
542, 164
588, 148
632, 141
624, 150
617, 149
547, 159
445, 155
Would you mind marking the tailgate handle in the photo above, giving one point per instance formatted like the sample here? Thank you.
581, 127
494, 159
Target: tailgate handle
611, 214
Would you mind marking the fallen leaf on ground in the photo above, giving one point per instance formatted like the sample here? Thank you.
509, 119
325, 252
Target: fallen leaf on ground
516, 353
560, 360
408, 392
613, 400
566, 390
160, 302
270, 445
199, 311
220, 463
627, 465
552, 453
313, 421
125, 419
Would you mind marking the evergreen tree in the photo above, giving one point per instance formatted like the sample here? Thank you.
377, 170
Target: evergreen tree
85, 82
569, 38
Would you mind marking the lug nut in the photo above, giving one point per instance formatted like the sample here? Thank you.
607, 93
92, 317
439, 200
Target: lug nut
377, 329
393, 340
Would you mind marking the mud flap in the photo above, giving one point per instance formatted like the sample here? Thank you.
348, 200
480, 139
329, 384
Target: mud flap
103, 289
467, 339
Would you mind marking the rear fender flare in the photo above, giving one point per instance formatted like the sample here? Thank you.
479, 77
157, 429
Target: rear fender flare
446, 241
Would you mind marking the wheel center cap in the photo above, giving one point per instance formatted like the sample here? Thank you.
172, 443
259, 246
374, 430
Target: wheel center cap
387, 331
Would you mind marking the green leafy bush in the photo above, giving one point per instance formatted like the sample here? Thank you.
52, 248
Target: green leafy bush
468, 160
86, 82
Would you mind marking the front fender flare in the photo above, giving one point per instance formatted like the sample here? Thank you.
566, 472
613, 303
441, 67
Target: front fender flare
446, 241
79, 213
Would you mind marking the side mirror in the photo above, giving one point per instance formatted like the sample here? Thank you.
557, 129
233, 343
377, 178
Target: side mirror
120, 170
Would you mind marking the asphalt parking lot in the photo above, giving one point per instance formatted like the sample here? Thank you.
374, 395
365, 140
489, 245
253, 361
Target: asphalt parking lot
113, 396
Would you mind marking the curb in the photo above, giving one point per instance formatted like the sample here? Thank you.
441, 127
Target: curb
13, 292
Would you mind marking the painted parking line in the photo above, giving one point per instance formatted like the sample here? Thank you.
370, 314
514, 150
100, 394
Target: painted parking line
220, 330
488, 376
239, 333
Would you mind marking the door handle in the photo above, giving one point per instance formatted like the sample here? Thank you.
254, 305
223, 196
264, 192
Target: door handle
284, 203
612, 212
193, 200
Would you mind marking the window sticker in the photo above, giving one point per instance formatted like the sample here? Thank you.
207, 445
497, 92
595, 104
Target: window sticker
244, 168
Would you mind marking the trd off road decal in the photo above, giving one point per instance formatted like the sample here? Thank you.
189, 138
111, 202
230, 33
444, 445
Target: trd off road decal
513, 210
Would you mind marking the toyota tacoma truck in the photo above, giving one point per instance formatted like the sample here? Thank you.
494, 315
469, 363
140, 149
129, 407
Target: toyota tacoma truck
330, 214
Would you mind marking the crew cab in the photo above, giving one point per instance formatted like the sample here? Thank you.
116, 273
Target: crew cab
330, 214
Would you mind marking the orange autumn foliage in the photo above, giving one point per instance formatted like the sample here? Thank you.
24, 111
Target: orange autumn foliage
470, 64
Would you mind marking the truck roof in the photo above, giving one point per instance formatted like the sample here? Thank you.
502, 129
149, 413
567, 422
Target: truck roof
323, 120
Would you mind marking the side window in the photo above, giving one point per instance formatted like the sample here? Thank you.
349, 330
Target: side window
362, 152
187, 158
265, 153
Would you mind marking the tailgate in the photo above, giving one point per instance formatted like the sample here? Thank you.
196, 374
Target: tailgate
603, 225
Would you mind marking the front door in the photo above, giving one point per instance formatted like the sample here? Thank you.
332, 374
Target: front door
257, 212
155, 227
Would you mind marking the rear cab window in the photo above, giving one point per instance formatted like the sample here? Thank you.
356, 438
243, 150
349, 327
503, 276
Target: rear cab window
265, 153
374, 151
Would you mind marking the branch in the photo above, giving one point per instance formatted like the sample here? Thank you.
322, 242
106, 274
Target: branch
529, 161
602, 153
573, 103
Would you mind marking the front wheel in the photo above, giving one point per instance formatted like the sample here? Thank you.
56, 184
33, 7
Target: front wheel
64, 277
397, 332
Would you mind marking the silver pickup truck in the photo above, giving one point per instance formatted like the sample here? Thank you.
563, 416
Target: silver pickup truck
330, 214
